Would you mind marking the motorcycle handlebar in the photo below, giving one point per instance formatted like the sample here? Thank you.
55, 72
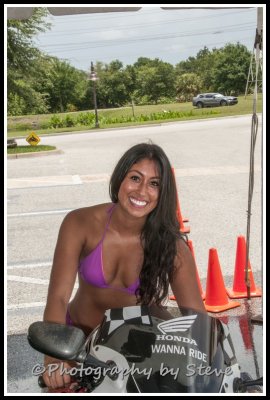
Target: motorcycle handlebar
41, 382
110, 364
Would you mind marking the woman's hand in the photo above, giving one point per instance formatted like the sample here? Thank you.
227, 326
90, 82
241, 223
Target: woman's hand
54, 376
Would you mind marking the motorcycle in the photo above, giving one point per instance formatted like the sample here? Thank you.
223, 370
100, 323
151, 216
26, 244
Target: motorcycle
139, 349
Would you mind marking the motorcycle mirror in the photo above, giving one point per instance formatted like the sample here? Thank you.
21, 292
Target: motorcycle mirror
63, 342
57, 340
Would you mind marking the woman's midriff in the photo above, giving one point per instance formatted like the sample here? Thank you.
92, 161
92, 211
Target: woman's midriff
87, 308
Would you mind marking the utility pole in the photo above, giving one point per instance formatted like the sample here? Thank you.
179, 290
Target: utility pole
255, 72
93, 77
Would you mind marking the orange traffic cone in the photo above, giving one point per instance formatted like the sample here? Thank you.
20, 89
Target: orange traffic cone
216, 299
183, 229
190, 245
239, 285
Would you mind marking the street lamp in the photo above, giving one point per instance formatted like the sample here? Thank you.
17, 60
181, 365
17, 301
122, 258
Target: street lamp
93, 77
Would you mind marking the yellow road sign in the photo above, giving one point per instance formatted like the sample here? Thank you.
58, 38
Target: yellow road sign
33, 139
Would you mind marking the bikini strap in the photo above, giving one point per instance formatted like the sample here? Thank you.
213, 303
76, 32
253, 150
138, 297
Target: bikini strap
109, 211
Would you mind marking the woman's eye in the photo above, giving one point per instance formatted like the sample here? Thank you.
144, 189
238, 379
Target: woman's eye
155, 183
134, 178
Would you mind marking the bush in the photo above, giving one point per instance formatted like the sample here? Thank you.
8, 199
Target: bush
86, 119
71, 108
56, 122
165, 100
69, 121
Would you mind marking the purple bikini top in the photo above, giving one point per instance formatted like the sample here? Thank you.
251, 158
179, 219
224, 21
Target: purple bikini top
91, 267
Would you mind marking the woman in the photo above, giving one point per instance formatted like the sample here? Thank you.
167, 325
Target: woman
126, 252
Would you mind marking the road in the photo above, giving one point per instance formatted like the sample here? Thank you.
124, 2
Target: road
211, 162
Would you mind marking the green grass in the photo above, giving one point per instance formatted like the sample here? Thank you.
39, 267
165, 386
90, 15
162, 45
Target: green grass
29, 149
22, 125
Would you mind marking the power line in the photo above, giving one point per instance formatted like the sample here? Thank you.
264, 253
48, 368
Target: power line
130, 26
118, 42
162, 50
111, 19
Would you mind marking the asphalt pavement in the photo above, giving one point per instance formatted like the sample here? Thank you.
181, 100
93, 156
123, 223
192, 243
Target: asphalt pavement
211, 162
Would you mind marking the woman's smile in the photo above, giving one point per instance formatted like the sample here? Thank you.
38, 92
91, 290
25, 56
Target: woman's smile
137, 203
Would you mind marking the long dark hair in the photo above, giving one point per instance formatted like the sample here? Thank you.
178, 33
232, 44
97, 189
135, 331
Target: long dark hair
161, 230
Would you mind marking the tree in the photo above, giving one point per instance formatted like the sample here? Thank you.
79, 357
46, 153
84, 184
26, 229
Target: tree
113, 88
231, 69
155, 79
201, 65
66, 85
20, 50
22, 58
187, 86
222, 70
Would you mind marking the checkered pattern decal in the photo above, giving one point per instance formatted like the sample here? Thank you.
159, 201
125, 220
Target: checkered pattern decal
130, 315
227, 344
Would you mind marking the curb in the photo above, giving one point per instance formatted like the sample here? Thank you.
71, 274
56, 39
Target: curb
37, 154
130, 127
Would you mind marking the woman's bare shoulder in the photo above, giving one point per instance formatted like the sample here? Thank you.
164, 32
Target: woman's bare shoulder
85, 215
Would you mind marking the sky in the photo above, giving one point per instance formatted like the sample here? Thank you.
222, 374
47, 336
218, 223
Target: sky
169, 35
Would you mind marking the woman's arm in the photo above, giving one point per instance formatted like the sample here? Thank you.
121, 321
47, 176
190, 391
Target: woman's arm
63, 274
184, 283
64, 269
